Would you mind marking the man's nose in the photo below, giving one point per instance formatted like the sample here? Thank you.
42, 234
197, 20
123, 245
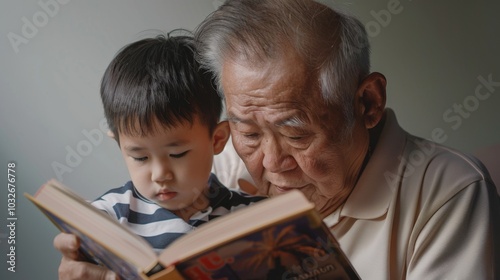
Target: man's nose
276, 159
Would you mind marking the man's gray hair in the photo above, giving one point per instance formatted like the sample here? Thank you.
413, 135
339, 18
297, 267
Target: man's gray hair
331, 43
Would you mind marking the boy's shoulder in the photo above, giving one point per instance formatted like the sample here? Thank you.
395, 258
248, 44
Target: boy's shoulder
127, 202
222, 202
124, 195
221, 196
127, 187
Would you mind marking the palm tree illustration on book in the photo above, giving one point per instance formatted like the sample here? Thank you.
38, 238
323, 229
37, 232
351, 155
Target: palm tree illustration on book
280, 250
298, 249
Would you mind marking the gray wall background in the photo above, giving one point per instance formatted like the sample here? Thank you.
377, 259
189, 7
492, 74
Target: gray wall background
53, 54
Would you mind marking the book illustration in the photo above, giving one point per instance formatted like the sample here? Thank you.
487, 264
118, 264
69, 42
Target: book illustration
297, 249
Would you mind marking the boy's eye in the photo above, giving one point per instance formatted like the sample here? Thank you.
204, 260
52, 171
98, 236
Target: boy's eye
179, 155
140, 158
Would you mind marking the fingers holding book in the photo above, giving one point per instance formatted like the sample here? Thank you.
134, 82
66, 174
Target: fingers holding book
73, 265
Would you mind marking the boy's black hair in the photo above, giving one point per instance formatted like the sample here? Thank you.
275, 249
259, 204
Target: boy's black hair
158, 78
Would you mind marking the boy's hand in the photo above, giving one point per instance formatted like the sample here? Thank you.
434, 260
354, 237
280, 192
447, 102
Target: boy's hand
73, 266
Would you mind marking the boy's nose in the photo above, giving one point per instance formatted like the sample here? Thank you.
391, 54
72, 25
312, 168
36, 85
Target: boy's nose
161, 172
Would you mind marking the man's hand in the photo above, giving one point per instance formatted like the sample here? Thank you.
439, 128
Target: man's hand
247, 187
72, 264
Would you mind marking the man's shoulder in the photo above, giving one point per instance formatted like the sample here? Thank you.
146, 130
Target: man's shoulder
446, 162
436, 172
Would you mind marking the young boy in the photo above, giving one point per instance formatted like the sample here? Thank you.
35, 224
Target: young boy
163, 111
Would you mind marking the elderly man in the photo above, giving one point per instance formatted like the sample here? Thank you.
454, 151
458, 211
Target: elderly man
306, 113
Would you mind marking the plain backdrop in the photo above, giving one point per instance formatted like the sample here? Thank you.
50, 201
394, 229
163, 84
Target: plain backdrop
440, 58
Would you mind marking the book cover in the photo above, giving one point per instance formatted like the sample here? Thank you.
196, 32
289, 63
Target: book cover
97, 253
102, 239
278, 238
298, 248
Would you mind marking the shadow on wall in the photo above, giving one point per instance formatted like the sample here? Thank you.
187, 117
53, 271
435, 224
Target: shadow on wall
490, 156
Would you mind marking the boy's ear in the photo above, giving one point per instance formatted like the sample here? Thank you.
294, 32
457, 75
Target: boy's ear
111, 134
220, 136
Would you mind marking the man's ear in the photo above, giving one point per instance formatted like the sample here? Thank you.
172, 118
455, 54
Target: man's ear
370, 99
220, 136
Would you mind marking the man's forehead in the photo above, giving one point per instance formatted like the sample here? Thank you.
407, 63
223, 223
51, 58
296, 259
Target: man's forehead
296, 119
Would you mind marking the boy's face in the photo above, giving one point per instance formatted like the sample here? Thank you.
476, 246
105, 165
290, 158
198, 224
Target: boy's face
171, 167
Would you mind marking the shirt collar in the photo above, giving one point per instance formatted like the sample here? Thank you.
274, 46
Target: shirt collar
372, 194
217, 193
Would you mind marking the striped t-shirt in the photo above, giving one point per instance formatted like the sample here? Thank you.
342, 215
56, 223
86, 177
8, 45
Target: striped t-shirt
158, 225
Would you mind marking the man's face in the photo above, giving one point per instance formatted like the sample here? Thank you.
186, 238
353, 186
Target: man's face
285, 133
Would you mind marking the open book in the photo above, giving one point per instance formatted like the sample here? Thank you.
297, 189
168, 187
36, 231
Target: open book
278, 238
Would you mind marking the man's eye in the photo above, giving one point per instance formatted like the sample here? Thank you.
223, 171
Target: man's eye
141, 159
251, 135
179, 155
295, 138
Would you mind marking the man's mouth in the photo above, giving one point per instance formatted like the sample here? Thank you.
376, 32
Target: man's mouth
284, 189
